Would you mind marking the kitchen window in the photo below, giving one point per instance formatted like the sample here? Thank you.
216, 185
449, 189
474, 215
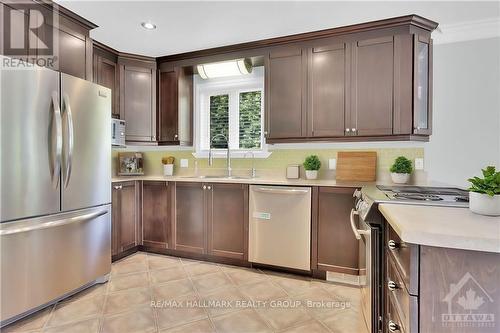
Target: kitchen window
231, 108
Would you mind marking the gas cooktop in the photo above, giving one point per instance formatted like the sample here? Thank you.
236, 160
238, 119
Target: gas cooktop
446, 196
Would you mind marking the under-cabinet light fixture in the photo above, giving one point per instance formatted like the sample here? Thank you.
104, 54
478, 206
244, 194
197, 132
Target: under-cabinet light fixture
225, 68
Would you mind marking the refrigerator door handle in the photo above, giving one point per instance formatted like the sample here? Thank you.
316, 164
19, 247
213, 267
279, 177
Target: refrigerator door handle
68, 154
52, 224
55, 155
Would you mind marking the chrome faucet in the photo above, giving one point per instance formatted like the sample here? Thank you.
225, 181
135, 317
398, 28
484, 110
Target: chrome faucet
253, 171
228, 157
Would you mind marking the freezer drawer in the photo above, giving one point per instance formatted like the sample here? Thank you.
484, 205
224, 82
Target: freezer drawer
280, 226
45, 258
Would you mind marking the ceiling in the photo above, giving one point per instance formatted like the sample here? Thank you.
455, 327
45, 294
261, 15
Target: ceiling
184, 26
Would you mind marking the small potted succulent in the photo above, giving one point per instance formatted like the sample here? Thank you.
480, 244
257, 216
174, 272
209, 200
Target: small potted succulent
168, 165
484, 195
401, 170
312, 165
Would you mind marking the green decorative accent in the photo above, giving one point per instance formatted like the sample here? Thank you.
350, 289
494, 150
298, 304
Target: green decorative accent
489, 184
402, 165
312, 162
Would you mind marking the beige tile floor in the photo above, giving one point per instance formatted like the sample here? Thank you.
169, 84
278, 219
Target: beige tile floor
154, 293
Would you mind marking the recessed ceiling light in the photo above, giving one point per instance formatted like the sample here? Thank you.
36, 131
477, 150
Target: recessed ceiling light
148, 25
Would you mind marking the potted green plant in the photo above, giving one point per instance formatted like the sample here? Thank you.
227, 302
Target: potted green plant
401, 170
484, 195
312, 165
168, 165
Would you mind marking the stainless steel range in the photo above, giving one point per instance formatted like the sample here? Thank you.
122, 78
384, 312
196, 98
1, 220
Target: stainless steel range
368, 229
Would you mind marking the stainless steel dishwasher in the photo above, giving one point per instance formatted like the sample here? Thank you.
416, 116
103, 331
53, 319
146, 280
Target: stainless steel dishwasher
280, 226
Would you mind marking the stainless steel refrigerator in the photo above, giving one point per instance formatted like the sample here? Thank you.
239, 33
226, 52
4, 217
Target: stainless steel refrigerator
55, 229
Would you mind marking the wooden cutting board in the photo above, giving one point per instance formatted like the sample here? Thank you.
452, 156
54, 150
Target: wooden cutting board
356, 166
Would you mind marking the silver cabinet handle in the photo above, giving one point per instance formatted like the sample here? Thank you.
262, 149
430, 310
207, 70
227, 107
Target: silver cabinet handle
56, 161
357, 232
204, 187
392, 245
393, 327
354, 131
175, 137
347, 130
209, 187
391, 285
68, 155
117, 187
56, 223
280, 190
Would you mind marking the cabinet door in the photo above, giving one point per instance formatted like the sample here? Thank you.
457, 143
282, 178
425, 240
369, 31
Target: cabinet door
326, 90
72, 55
155, 214
169, 102
286, 78
106, 74
372, 87
125, 217
422, 85
190, 224
137, 106
337, 247
227, 211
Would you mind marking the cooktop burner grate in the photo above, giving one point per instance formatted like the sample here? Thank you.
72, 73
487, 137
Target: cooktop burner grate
418, 196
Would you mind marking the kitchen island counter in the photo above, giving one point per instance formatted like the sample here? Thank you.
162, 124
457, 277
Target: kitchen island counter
449, 227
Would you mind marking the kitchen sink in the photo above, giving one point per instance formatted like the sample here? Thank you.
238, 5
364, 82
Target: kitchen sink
217, 177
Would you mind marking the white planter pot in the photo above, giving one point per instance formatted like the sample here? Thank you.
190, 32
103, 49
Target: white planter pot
484, 204
400, 178
312, 174
168, 169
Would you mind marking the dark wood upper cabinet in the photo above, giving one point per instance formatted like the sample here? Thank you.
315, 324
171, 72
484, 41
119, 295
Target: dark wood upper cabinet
156, 203
125, 216
337, 248
372, 87
328, 70
227, 210
106, 74
189, 225
175, 114
286, 104
138, 99
422, 85
68, 41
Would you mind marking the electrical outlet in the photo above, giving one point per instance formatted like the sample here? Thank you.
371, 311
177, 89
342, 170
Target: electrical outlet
184, 163
332, 163
419, 164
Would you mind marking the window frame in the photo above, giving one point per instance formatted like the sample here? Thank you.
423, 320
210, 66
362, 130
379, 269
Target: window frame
232, 86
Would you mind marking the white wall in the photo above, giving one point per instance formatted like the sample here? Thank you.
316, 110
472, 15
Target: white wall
466, 111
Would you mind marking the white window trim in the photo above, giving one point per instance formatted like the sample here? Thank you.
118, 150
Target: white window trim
203, 88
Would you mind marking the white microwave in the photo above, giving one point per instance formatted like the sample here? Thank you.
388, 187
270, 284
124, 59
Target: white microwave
118, 132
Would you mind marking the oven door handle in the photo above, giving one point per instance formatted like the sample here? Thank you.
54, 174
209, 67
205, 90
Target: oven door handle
357, 232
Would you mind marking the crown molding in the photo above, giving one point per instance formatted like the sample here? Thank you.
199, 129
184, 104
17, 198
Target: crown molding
465, 31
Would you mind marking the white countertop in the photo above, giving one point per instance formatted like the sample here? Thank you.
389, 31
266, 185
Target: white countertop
450, 227
257, 181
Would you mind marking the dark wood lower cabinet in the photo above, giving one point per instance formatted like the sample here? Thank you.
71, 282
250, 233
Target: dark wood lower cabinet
189, 225
156, 202
337, 249
227, 209
125, 217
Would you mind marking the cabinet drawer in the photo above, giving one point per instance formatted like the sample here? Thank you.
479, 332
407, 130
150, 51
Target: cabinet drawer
394, 322
405, 304
406, 259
